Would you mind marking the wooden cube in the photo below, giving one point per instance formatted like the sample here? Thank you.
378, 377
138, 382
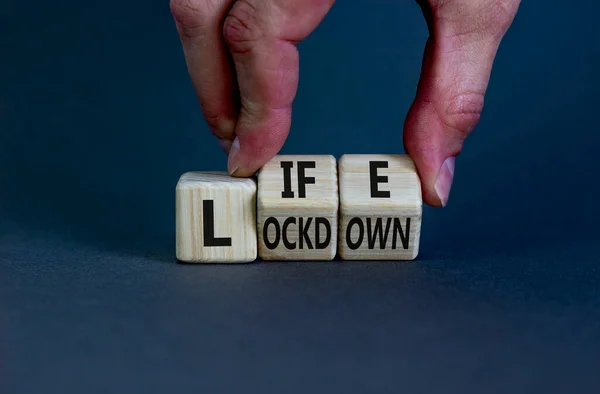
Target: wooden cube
297, 208
380, 207
215, 218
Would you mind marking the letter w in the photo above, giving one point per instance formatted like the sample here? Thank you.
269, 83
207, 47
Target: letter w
372, 235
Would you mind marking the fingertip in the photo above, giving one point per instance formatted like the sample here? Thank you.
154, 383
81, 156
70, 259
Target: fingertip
258, 139
436, 180
444, 180
431, 197
433, 152
237, 165
232, 162
435, 189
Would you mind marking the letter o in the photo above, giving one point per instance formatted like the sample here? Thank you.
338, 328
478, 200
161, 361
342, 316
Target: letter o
268, 244
361, 233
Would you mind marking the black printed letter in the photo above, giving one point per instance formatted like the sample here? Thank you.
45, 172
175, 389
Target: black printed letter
372, 235
287, 179
273, 221
208, 222
286, 242
375, 179
318, 243
361, 233
403, 237
302, 178
303, 233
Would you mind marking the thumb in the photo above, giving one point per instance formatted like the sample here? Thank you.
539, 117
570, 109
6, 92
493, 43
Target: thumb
458, 59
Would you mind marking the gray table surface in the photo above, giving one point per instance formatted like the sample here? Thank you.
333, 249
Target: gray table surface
78, 318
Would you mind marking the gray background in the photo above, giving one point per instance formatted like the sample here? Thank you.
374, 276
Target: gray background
98, 119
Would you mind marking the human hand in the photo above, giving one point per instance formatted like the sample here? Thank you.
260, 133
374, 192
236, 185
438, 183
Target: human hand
243, 62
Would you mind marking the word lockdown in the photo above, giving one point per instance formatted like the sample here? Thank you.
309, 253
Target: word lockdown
321, 226
307, 208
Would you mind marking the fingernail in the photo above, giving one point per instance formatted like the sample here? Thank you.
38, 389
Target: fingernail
443, 184
234, 151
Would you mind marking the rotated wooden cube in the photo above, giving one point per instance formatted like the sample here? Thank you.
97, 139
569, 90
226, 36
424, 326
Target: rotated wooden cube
297, 209
380, 207
215, 218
